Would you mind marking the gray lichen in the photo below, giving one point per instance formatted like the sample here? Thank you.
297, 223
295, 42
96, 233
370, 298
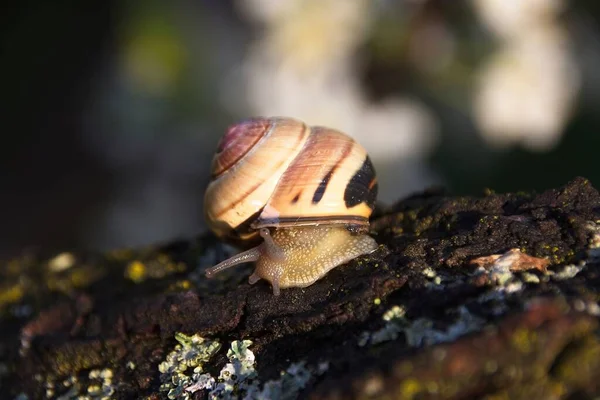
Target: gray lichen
420, 332
237, 379
395, 321
593, 254
237, 376
291, 382
568, 271
183, 367
439, 280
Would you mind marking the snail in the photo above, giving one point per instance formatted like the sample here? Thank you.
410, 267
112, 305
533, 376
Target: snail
305, 192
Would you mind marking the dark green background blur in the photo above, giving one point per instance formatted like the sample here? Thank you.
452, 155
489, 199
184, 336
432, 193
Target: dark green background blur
110, 110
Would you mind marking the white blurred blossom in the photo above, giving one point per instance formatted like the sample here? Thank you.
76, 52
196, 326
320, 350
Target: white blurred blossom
507, 18
396, 129
527, 88
265, 10
317, 33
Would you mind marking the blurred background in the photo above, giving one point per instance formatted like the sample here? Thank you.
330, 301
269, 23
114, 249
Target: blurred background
112, 109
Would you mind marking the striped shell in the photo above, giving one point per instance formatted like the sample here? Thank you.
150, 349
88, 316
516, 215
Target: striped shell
280, 172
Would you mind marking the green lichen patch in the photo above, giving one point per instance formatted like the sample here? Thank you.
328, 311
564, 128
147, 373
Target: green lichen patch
183, 367
237, 379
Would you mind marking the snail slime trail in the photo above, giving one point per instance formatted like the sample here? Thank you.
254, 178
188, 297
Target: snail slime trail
308, 192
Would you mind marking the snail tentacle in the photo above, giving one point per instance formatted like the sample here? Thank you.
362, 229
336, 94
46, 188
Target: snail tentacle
244, 257
252, 279
275, 285
271, 249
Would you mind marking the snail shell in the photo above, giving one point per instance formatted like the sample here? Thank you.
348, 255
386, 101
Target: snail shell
290, 184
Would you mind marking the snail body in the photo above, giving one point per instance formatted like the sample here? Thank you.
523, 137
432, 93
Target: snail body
306, 192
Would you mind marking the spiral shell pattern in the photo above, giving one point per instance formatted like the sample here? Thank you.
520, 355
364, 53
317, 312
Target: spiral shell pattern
280, 172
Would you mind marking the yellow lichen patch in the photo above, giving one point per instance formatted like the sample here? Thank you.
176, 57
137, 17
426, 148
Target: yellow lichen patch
432, 387
11, 294
558, 389
524, 340
579, 362
16, 266
140, 269
185, 284
163, 258
410, 388
180, 286
76, 278
13, 266
99, 385
136, 271
498, 396
176, 267
397, 230
120, 254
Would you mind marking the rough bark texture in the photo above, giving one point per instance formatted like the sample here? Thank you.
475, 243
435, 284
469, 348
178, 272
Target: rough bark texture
467, 297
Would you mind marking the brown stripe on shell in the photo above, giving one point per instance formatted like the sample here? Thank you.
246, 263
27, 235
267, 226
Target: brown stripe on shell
253, 188
324, 150
318, 195
233, 197
247, 193
237, 142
